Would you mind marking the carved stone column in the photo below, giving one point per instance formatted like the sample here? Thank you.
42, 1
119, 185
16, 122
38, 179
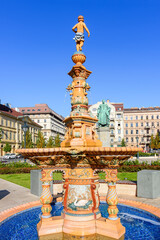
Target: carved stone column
112, 201
46, 197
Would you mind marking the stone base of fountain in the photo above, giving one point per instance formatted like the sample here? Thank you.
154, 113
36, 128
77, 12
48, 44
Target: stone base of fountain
57, 228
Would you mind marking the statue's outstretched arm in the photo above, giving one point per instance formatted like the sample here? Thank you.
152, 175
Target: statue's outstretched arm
73, 29
86, 29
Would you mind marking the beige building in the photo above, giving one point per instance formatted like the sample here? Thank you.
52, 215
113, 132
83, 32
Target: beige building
51, 122
11, 123
116, 121
140, 124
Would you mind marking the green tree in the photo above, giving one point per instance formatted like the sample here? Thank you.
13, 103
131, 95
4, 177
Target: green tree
0, 134
57, 141
29, 143
152, 144
123, 144
40, 140
50, 142
7, 147
157, 141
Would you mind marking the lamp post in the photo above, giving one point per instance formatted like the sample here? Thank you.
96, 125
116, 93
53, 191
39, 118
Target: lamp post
137, 138
25, 129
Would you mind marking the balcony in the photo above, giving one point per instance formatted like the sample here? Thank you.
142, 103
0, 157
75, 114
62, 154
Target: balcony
147, 127
112, 126
147, 135
112, 134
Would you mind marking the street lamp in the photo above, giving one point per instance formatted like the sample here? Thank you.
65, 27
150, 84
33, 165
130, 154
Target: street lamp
137, 138
25, 129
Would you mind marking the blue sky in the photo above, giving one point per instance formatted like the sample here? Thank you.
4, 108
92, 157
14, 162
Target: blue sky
123, 51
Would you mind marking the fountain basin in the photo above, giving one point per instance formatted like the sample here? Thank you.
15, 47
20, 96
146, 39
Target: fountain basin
139, 224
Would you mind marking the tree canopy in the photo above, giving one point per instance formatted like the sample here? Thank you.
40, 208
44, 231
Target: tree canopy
40, 140
29, 143
7, 147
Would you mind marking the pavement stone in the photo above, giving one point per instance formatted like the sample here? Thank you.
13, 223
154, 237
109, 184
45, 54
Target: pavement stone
12, 195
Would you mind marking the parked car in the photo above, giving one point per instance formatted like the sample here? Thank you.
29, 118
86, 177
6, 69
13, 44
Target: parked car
12, 155
9, 156
19, 156
6, 156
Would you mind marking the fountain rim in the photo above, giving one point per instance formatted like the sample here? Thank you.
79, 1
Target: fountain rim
78, 150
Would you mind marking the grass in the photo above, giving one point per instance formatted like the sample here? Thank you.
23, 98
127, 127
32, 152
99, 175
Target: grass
132, 176
23, 179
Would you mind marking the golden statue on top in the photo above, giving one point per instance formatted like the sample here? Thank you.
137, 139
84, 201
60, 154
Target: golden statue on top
79, 38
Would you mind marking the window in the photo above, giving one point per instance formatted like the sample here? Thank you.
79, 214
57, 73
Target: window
141, 124
136, 131
14, 136
119, 139
28, 110
126, 118
142, 139
131, 131
6, 135
126, 131
10, 123
157, 124
131, 124
118, 116
39, 109
147, 131
111, 131
141, 131
157, 117
147, 117
119, 131
136, 117
111, 139
45, 134
10, 136
6, 123
44, 126
152, 131
131, 118
38, 121
152, 117
152, 124
147, 124
33, 110
141, 117
126, 124
126, 139
131, 139
45, 120
23, 110
136, 124
2, 122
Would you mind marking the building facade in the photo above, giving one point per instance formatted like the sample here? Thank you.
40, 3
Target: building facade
51, 122
11, 123
116, 121
140, 124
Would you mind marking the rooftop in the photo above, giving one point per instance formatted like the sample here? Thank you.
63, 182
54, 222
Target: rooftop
40, 109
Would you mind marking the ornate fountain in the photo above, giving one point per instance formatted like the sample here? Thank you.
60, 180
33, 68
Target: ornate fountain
80, 157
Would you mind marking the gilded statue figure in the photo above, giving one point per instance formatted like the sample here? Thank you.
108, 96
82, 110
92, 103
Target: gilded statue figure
79, 38
103, 114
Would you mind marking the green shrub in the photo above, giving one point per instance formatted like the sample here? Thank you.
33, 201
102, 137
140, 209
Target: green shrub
136, 168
